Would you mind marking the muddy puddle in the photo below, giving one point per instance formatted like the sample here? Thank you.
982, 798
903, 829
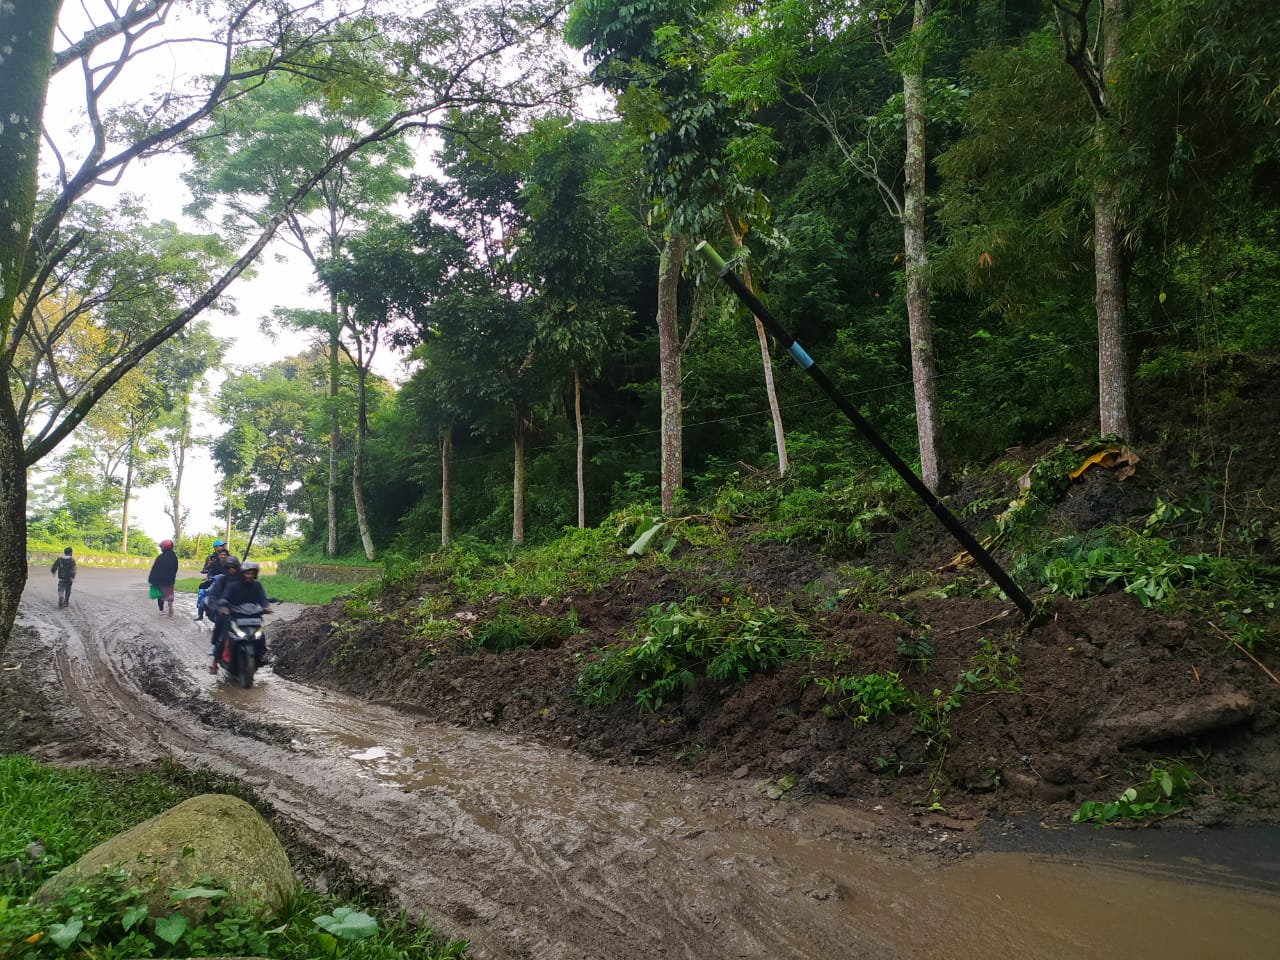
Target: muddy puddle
532, 852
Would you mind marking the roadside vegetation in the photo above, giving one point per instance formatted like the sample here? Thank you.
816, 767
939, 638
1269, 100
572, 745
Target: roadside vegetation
1073, 521
50, 817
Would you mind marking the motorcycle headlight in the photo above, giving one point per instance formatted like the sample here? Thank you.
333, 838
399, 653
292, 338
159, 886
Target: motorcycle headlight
235, 628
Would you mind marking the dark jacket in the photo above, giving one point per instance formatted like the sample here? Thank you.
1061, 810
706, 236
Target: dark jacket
232, 591
65, 568
164, 570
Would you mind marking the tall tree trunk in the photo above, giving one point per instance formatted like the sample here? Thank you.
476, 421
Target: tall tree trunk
577, 417
26, 39
1115, 396
357, 468
766, 358
335, 432
517, 503
933, 465
179, 467
1111, 302
1091, 58
672, 428
128, 490
446, 489
13, 515
227, 535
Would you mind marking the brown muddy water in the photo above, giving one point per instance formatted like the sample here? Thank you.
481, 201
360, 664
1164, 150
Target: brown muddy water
528, 851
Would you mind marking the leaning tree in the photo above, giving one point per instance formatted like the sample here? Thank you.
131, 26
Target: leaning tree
442, 57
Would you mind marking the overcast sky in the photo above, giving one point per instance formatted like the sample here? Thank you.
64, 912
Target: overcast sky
283, 274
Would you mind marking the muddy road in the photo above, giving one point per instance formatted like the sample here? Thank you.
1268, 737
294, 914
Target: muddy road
531, 852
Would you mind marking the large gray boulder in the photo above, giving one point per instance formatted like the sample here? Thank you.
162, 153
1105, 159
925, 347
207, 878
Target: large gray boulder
210, 839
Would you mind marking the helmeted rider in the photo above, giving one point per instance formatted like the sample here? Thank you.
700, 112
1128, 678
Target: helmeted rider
239, 585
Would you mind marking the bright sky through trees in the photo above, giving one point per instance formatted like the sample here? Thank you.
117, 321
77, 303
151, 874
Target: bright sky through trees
283, 278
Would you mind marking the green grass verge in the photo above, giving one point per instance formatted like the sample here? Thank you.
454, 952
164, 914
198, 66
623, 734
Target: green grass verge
71, 811
287, 589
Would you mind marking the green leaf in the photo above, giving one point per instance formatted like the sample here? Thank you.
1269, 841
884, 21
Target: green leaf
328, 944
348, 923
64, 934
191, 893
170, 929
133, 916
645, 540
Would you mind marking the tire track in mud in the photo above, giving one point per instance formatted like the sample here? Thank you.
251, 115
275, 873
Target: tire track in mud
522, 851
531, 852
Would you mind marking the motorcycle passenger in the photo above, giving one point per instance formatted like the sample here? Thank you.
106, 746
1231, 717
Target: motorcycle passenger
215, 565
239, 585
231, 572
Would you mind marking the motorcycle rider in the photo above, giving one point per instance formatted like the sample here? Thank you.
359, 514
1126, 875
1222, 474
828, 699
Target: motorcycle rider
239, 585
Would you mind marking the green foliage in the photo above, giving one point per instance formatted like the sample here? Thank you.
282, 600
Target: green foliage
1167, 790
916, 650
675, 642
1150, 568
74, 810
509, 629
578, 562
867, 697
834, 515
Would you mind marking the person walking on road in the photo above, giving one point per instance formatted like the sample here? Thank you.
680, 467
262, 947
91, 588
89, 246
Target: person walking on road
164, 573
65, 568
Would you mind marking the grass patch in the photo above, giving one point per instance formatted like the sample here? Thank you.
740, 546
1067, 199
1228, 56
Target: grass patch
71, 811
286, 588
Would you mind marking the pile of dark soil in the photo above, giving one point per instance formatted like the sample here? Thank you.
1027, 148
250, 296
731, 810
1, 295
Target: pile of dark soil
1079, 705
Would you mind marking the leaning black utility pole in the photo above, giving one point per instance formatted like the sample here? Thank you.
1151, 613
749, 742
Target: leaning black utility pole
954, 526
265, 501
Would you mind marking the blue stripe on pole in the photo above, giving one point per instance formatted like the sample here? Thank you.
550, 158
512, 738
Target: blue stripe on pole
801, 357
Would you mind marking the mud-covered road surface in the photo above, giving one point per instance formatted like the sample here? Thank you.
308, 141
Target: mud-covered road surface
527, 851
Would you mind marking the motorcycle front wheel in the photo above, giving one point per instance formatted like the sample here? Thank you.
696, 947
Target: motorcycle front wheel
246, 666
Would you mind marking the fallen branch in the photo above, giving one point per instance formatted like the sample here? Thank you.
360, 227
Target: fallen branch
1235, 643
974, 626
1257, 661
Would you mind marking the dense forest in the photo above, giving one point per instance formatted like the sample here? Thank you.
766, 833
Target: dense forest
985, 220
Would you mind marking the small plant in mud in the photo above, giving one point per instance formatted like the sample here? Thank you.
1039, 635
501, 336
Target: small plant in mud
1250, 627
441, 636
362, 608
990, 669
512, 630
1166, 791
677, 641
870, 587
866, 697
916, 650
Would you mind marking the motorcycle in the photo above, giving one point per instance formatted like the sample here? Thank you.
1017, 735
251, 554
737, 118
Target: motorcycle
245, 642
